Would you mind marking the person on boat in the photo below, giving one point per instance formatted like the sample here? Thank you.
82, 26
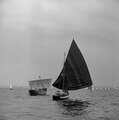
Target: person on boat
58, 92
65, 92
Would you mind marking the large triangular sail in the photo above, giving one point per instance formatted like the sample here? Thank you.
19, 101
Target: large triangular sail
77, 75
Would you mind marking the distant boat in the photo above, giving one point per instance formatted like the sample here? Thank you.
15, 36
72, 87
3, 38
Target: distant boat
74, 75
39, 87
11, 86
90, 88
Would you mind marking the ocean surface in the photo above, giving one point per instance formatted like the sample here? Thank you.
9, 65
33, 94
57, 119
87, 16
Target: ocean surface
100, 104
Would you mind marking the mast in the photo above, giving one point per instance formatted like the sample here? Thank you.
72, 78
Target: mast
64, 71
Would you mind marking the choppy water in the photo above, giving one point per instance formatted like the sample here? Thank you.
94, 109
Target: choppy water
16, 104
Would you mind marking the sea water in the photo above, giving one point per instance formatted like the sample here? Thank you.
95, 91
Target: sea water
102, 104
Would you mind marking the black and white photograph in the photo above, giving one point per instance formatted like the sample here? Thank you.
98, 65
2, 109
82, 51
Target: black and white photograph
59, 60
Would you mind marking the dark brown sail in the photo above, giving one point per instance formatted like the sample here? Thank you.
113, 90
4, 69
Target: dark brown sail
76, 71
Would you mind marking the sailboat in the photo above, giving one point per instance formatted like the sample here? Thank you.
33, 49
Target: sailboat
11, 86
74, 74
39, 87
90, 88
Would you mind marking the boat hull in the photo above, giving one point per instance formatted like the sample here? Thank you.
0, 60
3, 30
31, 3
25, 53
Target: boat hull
37, 92
56, 97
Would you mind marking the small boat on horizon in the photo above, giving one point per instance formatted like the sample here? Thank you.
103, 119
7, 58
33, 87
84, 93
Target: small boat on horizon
11, 86
74, 74
39, 87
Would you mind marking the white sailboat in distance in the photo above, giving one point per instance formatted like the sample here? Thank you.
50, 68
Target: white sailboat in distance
11, 85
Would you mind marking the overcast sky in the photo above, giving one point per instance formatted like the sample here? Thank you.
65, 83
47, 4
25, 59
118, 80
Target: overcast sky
35, 33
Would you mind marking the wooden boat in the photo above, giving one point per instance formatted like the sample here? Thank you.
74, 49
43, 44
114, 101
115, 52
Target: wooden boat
39, 87
74, 74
